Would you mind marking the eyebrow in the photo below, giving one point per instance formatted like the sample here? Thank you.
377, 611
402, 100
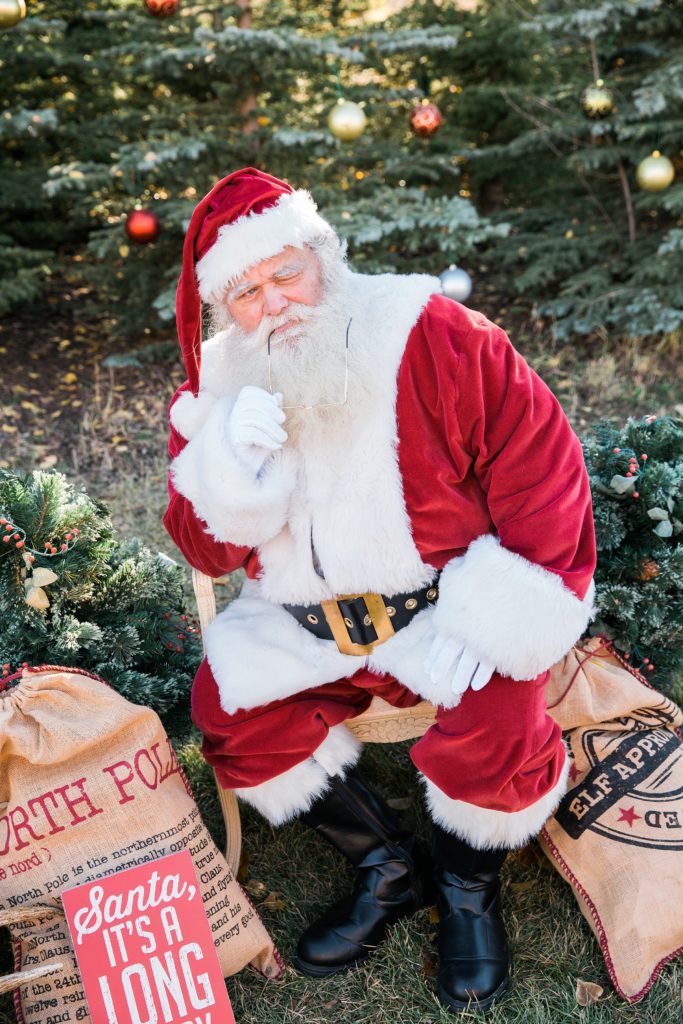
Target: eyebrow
289, 268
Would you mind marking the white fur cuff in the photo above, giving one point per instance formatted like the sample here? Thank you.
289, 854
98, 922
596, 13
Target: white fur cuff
485, 829
508, 610
259, 653
290, 794
237, 506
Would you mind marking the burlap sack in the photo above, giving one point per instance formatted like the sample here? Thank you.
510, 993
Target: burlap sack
617, 836
89, 785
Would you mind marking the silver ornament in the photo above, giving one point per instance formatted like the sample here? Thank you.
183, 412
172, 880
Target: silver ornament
456, 283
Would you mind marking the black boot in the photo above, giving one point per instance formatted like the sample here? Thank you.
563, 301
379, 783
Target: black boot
389, 883
474, 960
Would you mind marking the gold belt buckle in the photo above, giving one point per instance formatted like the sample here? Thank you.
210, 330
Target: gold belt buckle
378, 615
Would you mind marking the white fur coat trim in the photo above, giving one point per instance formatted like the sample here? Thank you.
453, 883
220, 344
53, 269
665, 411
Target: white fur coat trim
293, 220
288, 795
485, 829
508, 610
236, 505
259, 653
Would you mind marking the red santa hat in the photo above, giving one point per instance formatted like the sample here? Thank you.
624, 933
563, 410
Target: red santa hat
247, 217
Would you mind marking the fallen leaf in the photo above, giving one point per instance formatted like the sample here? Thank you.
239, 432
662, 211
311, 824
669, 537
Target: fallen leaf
434, 915
69, 378
9, 428
255, 888
587, 992
429, 964
274, 901
523, 886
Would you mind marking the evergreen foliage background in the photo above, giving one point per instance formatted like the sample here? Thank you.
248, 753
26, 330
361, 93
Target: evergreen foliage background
107, 108
114, 609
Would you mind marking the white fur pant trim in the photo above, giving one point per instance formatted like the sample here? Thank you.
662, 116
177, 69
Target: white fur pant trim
485, 829
290, 794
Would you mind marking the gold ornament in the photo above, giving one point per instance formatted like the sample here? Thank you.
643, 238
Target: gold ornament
11, 12
597, 100
648, 570
35, 595
655, 173
347, 121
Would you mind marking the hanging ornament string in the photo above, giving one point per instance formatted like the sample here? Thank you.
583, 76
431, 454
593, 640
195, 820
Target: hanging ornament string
346, 120
16, 535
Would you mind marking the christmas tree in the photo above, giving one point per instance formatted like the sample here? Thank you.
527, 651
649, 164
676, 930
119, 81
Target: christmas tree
636, 476
115, 111
71, 595
595, 236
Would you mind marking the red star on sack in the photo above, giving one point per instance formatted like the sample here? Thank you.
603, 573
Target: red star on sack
574, 772
628, 814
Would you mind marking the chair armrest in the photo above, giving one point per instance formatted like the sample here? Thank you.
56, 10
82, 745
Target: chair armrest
205, 597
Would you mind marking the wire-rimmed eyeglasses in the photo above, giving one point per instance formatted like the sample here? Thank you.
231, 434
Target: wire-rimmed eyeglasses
325, 405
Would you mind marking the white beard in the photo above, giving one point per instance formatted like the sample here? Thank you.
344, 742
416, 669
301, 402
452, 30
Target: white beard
307, 361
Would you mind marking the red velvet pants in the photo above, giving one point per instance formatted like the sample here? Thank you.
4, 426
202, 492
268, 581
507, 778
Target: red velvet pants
498, 749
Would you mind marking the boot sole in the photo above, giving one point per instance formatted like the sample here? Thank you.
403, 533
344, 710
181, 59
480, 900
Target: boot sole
473, 1005
316, 971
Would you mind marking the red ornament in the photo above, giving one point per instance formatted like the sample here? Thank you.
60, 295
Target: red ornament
162, 8
142, 226
426, 119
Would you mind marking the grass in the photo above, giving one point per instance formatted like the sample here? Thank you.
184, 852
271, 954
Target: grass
106, 430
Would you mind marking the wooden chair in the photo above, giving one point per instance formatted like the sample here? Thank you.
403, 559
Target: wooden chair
380, 723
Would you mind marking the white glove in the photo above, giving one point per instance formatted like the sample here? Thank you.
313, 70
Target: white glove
449, 661
254, 429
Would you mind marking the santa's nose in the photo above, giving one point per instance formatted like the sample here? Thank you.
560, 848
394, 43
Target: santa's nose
274, 301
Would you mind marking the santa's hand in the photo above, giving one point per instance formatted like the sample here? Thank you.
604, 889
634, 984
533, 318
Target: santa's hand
254, 426
450, 664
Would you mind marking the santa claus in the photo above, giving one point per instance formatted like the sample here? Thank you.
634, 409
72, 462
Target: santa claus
413, 514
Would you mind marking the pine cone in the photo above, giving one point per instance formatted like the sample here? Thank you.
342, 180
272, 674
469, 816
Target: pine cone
648, 570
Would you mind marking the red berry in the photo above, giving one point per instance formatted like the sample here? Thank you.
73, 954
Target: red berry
626, 657
629, 474
53, 551
650, 668
183, 618
169, 645
20, 544
75, 531
635, 494
9, 528
644, 457
616, 450
6, 665
3, 521
69, 536
64, 547
178, 648
6, 539
31, 558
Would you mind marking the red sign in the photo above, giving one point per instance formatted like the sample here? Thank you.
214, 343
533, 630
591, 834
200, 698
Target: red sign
144, 947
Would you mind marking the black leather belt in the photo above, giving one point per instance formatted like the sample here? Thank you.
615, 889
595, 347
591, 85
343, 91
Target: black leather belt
359, 622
